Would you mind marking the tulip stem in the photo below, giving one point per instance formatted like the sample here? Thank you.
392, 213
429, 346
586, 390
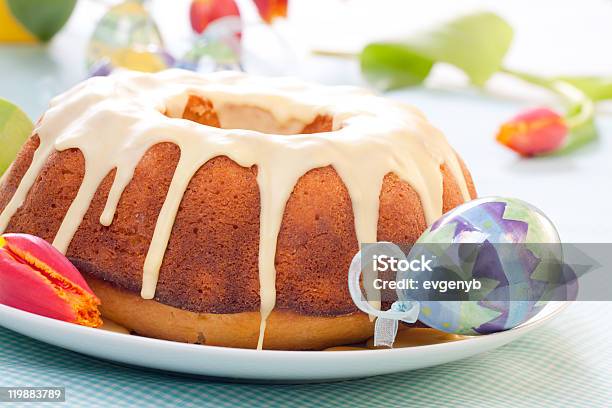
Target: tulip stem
580, 106
336, 54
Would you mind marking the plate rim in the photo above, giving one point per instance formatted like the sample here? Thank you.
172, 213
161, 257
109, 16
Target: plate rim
250, 357
535, 320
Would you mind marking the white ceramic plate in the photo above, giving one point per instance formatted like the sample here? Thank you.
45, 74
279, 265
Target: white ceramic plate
253, 365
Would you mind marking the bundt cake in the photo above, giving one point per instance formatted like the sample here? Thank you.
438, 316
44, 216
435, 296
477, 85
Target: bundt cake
225, 209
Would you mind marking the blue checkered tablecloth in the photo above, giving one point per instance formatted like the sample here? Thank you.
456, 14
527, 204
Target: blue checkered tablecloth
567, 363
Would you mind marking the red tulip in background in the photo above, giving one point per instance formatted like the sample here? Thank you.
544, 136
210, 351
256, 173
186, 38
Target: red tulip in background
37, 278
534, 132
204, 12
271, 9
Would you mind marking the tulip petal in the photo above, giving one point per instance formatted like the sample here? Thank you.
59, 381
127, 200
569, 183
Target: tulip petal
534, 132
37, 278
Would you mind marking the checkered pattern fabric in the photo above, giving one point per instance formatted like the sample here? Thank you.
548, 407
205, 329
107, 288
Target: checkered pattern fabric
567, 363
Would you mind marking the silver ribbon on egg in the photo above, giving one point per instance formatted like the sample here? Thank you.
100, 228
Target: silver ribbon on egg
387, 322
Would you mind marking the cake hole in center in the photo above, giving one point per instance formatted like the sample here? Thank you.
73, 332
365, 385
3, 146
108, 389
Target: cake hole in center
202, 111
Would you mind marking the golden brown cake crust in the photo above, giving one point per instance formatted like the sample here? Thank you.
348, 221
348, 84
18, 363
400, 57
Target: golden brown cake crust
286, 330
210, 265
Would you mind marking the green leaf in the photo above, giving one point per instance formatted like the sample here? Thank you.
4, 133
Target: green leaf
595, 88
392, 66
579, 136
476, 44
15, 128
580, 117
43, 18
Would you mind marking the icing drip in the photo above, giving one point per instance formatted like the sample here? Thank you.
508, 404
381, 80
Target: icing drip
40, 157
182, 175
114, 120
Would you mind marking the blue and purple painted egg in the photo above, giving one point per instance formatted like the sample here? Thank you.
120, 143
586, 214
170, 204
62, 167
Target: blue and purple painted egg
509, 246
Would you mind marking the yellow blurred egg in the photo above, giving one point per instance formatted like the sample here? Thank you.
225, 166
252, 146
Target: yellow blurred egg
136, 60
11, 30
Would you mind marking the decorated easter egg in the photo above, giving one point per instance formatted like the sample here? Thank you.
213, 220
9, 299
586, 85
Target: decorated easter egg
127, 37
505, 259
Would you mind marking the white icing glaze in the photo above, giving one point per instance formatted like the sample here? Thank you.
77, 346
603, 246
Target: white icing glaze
114, 120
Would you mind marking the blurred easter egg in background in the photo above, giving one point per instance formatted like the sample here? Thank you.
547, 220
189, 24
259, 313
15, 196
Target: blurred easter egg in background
15, 128
33, 20
11, 30
127, 37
